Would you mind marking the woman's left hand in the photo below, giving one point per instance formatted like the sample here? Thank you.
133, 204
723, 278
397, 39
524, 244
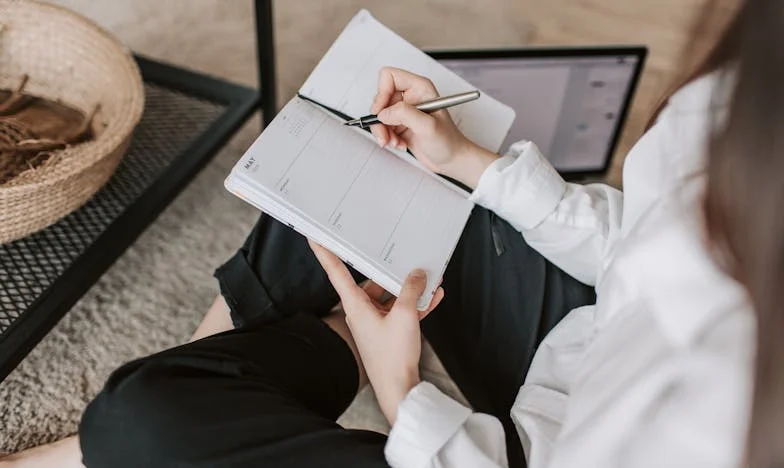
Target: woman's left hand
387, 334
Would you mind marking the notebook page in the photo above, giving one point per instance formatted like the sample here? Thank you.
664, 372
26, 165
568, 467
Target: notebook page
387, 213
251, 194
346, 79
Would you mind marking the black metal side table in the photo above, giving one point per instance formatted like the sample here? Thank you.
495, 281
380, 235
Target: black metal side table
188, 117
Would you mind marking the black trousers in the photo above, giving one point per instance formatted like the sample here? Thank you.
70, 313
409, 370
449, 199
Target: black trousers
268, 392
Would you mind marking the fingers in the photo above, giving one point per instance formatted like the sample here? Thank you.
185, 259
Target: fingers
398, 131
378, 105
384, 97
392, 80
337, 272
380, 132
408, 116
383, 134
395, 85
412, 289
437, 297
394, 134
374, 291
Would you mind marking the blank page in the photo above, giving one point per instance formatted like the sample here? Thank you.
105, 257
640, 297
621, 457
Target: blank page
346, 79
391, 215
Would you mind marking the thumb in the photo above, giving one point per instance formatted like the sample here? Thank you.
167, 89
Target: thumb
412, 289
407, 115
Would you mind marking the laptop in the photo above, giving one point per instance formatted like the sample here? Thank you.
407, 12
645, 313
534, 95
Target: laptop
571, 102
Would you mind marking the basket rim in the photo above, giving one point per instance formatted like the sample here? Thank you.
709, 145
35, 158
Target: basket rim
134, 111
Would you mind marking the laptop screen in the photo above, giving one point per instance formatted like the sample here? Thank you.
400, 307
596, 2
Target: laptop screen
572, 107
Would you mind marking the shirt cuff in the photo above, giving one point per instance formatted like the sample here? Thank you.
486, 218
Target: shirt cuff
426, 420
522, 187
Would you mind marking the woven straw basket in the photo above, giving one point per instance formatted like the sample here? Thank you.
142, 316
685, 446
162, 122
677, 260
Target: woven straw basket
67, 58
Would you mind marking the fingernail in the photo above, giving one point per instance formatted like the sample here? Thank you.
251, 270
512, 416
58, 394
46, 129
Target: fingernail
379, 141
418, 273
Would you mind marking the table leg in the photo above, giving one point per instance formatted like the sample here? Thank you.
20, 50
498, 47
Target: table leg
265, 47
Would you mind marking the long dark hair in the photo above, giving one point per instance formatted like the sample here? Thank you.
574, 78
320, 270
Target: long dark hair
744, 201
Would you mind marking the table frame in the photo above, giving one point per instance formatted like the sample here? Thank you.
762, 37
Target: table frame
84, 272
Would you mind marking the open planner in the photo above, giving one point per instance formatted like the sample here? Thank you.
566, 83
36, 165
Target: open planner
378, 209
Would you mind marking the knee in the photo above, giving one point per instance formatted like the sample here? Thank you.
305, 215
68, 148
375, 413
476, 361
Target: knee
130, 422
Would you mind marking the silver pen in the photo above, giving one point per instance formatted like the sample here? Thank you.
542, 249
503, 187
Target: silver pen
427, 106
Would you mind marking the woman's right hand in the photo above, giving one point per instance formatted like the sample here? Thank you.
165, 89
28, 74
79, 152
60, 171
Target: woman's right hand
433, 138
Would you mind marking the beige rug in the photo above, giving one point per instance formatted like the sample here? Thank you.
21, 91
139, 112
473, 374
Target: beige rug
155, 294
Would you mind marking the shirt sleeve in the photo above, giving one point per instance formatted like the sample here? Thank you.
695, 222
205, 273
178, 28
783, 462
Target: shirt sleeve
434, 431
572, 225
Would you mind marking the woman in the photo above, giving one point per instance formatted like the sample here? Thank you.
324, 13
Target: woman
678, 363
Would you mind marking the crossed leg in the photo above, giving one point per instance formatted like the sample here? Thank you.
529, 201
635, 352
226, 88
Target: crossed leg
501, 299
66, 453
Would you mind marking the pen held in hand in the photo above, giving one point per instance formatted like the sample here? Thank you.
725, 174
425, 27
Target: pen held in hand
427, 106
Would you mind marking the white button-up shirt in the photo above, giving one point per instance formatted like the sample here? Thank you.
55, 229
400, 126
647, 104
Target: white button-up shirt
658, 372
